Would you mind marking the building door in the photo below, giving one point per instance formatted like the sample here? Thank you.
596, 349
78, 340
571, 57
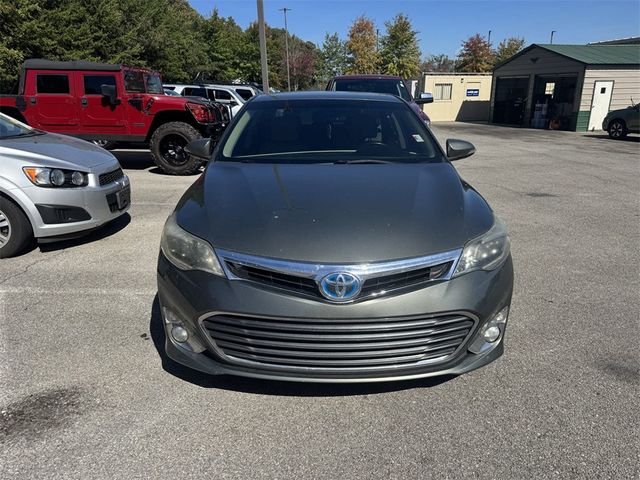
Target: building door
510, 100
602, 91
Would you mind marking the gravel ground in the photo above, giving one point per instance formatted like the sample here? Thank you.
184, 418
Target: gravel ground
84, 392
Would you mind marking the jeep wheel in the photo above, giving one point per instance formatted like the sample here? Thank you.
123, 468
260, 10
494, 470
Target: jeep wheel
15, 230
106, 144
167, 147
617, 129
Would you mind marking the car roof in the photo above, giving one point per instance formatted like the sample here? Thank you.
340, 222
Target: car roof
328, 95
373, 76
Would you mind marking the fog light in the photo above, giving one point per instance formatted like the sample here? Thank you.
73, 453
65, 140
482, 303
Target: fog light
179, 334
491, 334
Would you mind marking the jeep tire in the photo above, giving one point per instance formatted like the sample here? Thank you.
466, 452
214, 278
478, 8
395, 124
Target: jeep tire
167, 147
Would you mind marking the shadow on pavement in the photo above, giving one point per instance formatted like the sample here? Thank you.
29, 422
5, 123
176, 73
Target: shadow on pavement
141, 160
272, 387
628, 138
107, 230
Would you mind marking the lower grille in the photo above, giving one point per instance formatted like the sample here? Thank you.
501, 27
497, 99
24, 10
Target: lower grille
110, 177
338, 345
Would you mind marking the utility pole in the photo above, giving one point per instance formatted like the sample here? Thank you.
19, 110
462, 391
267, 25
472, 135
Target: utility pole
552, 32
489, 39
286, 43
263, 47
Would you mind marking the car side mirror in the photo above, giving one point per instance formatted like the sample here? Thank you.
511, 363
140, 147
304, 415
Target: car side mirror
457, 149
200, 148
424, 98
109, 91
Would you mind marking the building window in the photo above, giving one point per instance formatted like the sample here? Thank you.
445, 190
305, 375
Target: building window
549, 88
442, 91
52, 83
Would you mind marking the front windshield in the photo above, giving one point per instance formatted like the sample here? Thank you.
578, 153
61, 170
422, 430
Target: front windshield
12, 128
376, 85
328, 131
154, 83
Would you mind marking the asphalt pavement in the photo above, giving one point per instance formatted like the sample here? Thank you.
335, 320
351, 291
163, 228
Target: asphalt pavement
86, 394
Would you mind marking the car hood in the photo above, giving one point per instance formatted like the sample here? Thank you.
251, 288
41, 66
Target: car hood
334, 213
56, 151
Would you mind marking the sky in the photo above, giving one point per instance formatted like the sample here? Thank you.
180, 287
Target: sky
443, 24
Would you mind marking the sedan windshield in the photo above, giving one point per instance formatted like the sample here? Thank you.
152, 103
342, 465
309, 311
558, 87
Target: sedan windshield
329, 131
376, 85
10, 128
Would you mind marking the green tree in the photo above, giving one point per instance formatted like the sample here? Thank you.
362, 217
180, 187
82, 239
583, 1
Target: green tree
476, 55
361, 47
508, 48
438, 63
400, 53
334, 59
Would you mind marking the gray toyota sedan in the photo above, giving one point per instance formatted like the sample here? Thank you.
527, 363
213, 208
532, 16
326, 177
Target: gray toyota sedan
331, 240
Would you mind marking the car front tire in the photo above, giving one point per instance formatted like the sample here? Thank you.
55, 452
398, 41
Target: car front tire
617, 129
16, 233
167, 148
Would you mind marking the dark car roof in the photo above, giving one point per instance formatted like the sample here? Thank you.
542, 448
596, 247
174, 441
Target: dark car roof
373, 76
328, 95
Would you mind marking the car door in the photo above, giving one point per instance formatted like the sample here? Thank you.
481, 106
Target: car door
634, 119
51, 94
226, 98
97, 114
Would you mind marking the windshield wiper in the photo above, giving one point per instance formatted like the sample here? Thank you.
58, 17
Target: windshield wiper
360, 161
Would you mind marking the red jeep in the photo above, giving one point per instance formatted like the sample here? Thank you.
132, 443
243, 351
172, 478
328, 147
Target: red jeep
112, 103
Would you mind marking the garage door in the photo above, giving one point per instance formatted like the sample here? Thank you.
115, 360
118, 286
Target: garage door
510, 100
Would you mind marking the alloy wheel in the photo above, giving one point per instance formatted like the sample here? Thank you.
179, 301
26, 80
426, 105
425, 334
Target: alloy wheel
616, 129
5, 229
172, 149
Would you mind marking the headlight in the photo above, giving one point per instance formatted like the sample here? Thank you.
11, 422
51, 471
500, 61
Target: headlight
485, 252
56, 177
186, 251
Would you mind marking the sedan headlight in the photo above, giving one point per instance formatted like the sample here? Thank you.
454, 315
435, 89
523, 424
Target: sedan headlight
186, 251
56, 177
486, 252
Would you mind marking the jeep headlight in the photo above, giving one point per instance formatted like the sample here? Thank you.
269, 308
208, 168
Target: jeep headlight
486, 252
186, 251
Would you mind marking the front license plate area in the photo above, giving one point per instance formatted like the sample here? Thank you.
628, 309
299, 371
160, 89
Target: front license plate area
119, 200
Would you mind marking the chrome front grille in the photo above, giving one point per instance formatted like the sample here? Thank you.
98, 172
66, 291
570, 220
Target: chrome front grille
303, 278
110, 177
337, 345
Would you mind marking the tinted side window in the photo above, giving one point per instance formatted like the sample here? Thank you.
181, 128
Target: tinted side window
93, 83
244, 93
133, 81
47, 83
222, 95
194, 92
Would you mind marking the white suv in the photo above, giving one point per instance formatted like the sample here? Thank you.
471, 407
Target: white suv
221, 94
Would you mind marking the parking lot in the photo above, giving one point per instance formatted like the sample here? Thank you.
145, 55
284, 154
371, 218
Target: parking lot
85, 391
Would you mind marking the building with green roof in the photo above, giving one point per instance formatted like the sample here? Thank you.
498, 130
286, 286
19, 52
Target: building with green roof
565, 87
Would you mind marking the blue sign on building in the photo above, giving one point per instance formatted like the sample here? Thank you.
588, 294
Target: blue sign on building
473, 92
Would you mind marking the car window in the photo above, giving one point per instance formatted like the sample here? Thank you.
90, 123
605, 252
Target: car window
194, 92
134, 81
93, 83
375, 85
222, 94
12, 128
312, 131
245, 93
52, 83
154, 83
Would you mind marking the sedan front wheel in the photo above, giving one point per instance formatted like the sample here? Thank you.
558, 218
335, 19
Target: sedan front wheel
16, 233
617, 129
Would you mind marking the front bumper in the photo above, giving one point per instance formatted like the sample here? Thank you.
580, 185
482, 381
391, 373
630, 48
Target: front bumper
94, 201
193, 295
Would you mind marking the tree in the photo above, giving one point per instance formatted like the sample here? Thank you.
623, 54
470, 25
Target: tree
438, 63
333, 57
476, 55
361, 47
508, 48
400, 54
302, 60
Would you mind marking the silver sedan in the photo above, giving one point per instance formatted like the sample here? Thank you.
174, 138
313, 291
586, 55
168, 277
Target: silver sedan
54, 187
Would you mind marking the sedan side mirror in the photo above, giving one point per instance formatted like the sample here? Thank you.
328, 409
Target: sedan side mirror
109, 91
424, 98
457, 149
200, 148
